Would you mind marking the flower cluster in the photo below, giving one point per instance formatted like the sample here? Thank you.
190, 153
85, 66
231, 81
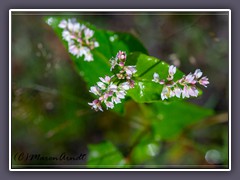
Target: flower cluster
110, 90
186, 86
79, 37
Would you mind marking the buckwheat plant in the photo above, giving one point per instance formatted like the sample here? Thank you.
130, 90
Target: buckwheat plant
186, 86
79, 37
111, 90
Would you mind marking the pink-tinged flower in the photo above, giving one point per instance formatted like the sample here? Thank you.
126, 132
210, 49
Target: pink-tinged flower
177, 92
121, 55
88, 56
73, 49
112, 87
125, 86
106, 80
95, 90
79, 38
190, 79
198, 73
121, 64
109, 104
156, 77
166, 93
130, 70
172, 70
116, 100
101, 85
204, 81
73, 25
120, 94
66, 35
96, 105
192, 91
63, 24
185, 92
88, 33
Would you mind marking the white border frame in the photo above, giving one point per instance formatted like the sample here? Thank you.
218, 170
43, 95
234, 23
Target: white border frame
117, 10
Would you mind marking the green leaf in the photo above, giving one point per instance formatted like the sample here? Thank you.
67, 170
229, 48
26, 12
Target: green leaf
124, 42
105, 155
171, 118
109, 44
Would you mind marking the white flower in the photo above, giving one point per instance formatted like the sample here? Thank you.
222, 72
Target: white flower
66, 35
121, 55
198, 73
96, 105
177, 92
204, 81
165, 92
172, 70
125, 86
190, 79
78, 46
109, 104
116, 100
109, 89
185, 92
106, 80
120, 94
156, 77
101, 85
96, 44
95, 90
130, 70
63, 24
88, 56
88, 33
112, 87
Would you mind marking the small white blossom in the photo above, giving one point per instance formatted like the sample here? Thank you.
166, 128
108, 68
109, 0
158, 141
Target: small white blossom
79, 37
177, 92
172, 70
96, 105
156, 77
130, 70
198, 73
106, 80
188, 83
109, 104
110, 90
66, 35
88, 33
63, 24
165, 92
116, 100
190, 79
204, 81
185, 92
101, 85
95, 90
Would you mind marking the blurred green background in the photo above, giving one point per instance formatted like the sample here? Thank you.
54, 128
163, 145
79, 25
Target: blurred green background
50, 114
